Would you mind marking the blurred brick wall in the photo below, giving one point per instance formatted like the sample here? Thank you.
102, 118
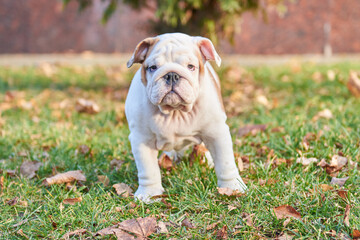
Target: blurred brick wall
42, 26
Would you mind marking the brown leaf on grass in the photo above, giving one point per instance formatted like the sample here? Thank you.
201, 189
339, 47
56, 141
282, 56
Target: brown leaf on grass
165, 162
339, 181
212, 226
326, 113
161, 227
74, 233
103, 179
325, 187
66, 177
86, 106
284, 236
249, 219
114, 230
286, 211
229, 192
270, 181
343, 194
186, 223
123, 189
11, 173
306, 161
322, 163
356, 234
354, 84
116, 164
84, 149
243, 163
251, 129
346, 216
72, 201
13, 201
141, 227
198, 153
338, 162
29, 168
222, 233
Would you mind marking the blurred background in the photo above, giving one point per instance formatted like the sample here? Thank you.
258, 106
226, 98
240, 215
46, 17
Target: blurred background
240, 27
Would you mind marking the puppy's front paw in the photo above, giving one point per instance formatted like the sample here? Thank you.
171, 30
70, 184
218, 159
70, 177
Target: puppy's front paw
234, 184
144, 193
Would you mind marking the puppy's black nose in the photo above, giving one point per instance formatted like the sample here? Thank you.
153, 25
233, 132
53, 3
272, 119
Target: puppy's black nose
171, 78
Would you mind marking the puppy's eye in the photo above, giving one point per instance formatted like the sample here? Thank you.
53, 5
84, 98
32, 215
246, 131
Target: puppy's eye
191, 67
152, 68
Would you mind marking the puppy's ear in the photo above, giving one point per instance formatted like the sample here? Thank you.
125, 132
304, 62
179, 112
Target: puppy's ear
207, 50
141, 51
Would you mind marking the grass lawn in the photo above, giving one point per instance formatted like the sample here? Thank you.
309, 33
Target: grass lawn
39, 121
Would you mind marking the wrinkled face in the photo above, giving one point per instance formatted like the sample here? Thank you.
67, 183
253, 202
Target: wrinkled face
172, 75
172, 68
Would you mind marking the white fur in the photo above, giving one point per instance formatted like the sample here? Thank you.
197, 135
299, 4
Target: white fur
157, 127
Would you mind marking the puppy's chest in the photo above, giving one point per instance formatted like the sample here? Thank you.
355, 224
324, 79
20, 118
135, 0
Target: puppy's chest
175, 132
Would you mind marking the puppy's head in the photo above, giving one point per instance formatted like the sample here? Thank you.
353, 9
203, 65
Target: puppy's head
172, 68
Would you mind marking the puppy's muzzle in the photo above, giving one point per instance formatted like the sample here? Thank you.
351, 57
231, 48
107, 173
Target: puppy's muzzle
171, 78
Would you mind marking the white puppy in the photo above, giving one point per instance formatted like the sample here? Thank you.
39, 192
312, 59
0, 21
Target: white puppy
174, 101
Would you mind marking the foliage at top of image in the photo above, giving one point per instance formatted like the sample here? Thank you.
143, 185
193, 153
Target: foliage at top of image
211, 18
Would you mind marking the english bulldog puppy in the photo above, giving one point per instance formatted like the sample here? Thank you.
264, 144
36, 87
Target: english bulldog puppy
175, 101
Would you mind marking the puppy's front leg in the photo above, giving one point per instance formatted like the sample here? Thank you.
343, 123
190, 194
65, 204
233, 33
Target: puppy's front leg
219, 143
148, 169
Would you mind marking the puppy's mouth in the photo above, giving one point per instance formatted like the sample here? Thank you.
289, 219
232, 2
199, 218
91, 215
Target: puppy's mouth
173, 101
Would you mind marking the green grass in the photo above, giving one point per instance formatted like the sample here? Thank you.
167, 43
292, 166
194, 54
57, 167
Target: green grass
294, 99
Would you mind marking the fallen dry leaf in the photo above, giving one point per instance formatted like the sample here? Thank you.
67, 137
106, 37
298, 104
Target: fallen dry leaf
251, 129
186, 223
343, 194
165, 162
114, 230
103, 179
29, 168
326, 113
339, 181
72, 201
285, 236
212, 226
354, 84
84, 149
306, 161
141, 227
116, 164
199, 151
123, 189
325, 187
66, 177
229, 192
161, 227
356, 234
285, 211
338, 161
13, 201
74, 233
249, 219
346, 216
86, 106
243, 163
222, 233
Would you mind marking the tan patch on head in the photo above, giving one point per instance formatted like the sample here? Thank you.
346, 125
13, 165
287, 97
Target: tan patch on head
143, 68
